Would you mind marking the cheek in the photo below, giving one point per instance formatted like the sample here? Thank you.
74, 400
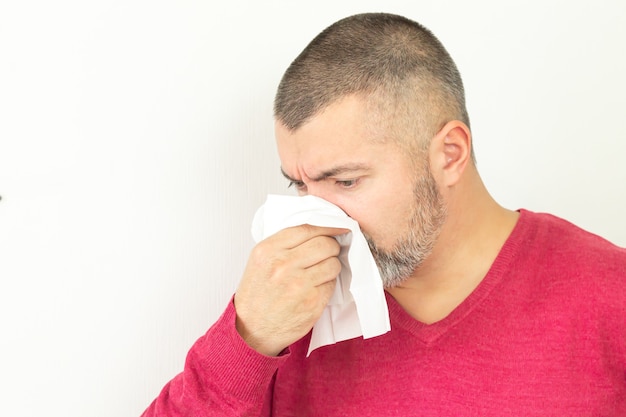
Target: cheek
384, 221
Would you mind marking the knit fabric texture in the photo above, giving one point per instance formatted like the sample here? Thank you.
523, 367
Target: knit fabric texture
544, 334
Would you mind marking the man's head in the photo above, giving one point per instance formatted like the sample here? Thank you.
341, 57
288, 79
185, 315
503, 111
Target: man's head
356, 114
399, 66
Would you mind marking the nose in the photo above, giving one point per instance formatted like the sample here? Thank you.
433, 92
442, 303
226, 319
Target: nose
319, 190
314, 189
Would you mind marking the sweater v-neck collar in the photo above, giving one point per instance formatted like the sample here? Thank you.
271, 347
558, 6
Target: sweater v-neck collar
429, 333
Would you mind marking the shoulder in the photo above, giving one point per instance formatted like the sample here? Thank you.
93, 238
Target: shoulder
573, 273
560, 261
558, 241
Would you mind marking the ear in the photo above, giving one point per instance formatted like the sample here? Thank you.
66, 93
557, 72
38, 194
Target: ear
450, 152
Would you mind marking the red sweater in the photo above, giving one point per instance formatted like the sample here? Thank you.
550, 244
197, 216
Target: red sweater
544, 334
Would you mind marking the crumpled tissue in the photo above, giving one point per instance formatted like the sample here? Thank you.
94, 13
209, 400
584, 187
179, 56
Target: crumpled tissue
358, 306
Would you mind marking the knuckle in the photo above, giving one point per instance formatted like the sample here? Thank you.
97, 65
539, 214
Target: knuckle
327, 270
328, 245
335, 266
308, 227
336, 247
284, 274
262, 250
293, 286
302, 228
269, 264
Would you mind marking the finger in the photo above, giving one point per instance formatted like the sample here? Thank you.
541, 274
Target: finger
292, 237
314, 251
323, 272
325, 292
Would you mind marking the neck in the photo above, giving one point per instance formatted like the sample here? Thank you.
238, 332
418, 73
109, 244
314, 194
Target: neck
469, 242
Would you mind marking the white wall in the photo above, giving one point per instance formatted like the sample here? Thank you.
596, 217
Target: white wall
136, 143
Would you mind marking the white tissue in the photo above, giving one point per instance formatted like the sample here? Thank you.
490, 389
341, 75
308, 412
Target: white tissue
358, 306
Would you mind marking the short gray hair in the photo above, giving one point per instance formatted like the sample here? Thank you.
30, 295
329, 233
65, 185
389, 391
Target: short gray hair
374, 54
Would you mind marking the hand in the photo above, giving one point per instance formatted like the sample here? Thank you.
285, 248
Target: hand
288, 281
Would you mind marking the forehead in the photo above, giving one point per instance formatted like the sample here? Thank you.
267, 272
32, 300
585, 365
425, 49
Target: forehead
338, 133
343, 134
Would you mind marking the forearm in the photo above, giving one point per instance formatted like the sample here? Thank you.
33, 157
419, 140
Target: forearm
223, 376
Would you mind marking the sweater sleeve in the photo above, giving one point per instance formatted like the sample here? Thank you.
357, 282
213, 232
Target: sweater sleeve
223, 376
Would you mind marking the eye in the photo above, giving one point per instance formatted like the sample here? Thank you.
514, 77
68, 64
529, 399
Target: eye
347, 183
298, 185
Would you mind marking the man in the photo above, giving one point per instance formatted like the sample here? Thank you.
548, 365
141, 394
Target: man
493, 312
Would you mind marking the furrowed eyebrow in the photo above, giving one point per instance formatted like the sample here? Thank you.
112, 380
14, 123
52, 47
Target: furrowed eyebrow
341, 169
286, 176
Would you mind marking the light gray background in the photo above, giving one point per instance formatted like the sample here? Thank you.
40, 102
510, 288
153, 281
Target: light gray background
136, 143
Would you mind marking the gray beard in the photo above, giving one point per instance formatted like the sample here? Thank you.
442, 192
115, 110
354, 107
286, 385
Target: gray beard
410, 251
